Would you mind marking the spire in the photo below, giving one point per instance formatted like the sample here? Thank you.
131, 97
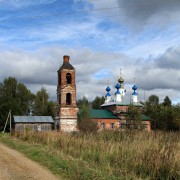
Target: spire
121, 81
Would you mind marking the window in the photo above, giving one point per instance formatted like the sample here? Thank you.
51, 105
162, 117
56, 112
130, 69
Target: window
112, 125
103, 125
68, 99
68, 78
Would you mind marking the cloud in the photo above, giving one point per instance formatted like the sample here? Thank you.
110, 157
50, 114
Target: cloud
139, 14
170, 59
8, 4
39, 68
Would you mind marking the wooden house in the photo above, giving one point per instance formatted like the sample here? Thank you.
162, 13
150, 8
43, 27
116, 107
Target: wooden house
32, 123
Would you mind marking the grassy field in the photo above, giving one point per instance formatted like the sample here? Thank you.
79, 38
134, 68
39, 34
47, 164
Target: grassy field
105, 155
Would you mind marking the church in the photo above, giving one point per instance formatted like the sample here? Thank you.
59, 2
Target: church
112, 114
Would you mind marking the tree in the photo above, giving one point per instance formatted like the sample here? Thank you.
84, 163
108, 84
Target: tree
41, 103
164, 116
51, 109
15, 96
85, 122
83, 102
151, 109
167, 101
134, 118
98, 101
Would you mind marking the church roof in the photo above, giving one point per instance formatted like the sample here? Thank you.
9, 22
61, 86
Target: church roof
125, 102
101, 114
66, 65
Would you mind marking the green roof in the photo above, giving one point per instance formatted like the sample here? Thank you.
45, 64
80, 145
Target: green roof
106, 114
101, 114
145, 118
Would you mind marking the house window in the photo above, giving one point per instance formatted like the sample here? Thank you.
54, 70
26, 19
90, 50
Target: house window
68, 78
68, 99
112, 125
103, 125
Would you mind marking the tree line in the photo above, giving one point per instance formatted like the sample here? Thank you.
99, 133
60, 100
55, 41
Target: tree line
15, 96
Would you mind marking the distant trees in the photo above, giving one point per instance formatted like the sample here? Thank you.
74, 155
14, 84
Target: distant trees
95, 104
42, 105
15, 96
164, 116
83, 102
167, 101
98, 101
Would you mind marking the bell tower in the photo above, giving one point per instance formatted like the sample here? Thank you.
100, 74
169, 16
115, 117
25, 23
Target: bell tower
66, 95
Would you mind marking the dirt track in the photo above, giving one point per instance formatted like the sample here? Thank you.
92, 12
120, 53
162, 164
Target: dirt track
15, 166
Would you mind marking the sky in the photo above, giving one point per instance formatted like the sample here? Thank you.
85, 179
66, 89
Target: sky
140, 37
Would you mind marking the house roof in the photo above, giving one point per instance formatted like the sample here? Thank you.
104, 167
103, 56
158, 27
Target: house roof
101, 114
33, 119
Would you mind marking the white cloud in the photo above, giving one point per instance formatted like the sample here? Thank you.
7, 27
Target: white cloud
37, 69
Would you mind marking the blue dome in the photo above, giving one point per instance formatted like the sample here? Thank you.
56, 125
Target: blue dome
117, 92
108, 89
108, 94
134, 93
117, 86
134, 87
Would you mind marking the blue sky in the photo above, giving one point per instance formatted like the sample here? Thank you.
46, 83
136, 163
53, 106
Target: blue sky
141, 37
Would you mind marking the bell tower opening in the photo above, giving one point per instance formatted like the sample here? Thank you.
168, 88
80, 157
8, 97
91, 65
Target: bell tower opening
68, 78
68, 99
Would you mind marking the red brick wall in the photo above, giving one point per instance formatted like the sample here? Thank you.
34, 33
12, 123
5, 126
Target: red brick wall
108, 123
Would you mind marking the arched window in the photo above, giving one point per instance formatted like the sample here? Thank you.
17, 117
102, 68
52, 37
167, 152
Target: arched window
68, 99
68, 78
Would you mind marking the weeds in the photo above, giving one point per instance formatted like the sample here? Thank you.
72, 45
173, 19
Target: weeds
116, 154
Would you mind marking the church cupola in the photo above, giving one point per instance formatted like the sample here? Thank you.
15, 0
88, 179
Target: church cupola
118, 93
108, 95
134, 94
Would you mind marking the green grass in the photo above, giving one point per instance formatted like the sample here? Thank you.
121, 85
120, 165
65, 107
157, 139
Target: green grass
60, 164
105, 155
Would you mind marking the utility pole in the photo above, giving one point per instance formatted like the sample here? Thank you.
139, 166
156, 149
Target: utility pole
9, 116
10, 119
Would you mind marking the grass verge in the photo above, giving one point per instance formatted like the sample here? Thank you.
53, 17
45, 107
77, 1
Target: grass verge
60, 164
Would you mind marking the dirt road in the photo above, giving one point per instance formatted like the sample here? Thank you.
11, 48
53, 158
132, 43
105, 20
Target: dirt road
15, 166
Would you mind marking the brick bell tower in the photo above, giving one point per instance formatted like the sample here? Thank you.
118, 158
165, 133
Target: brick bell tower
66, 95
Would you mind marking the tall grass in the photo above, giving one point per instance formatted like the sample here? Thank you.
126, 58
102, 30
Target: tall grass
118, 154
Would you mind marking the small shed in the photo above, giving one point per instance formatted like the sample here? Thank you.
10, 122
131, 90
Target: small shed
32, 123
